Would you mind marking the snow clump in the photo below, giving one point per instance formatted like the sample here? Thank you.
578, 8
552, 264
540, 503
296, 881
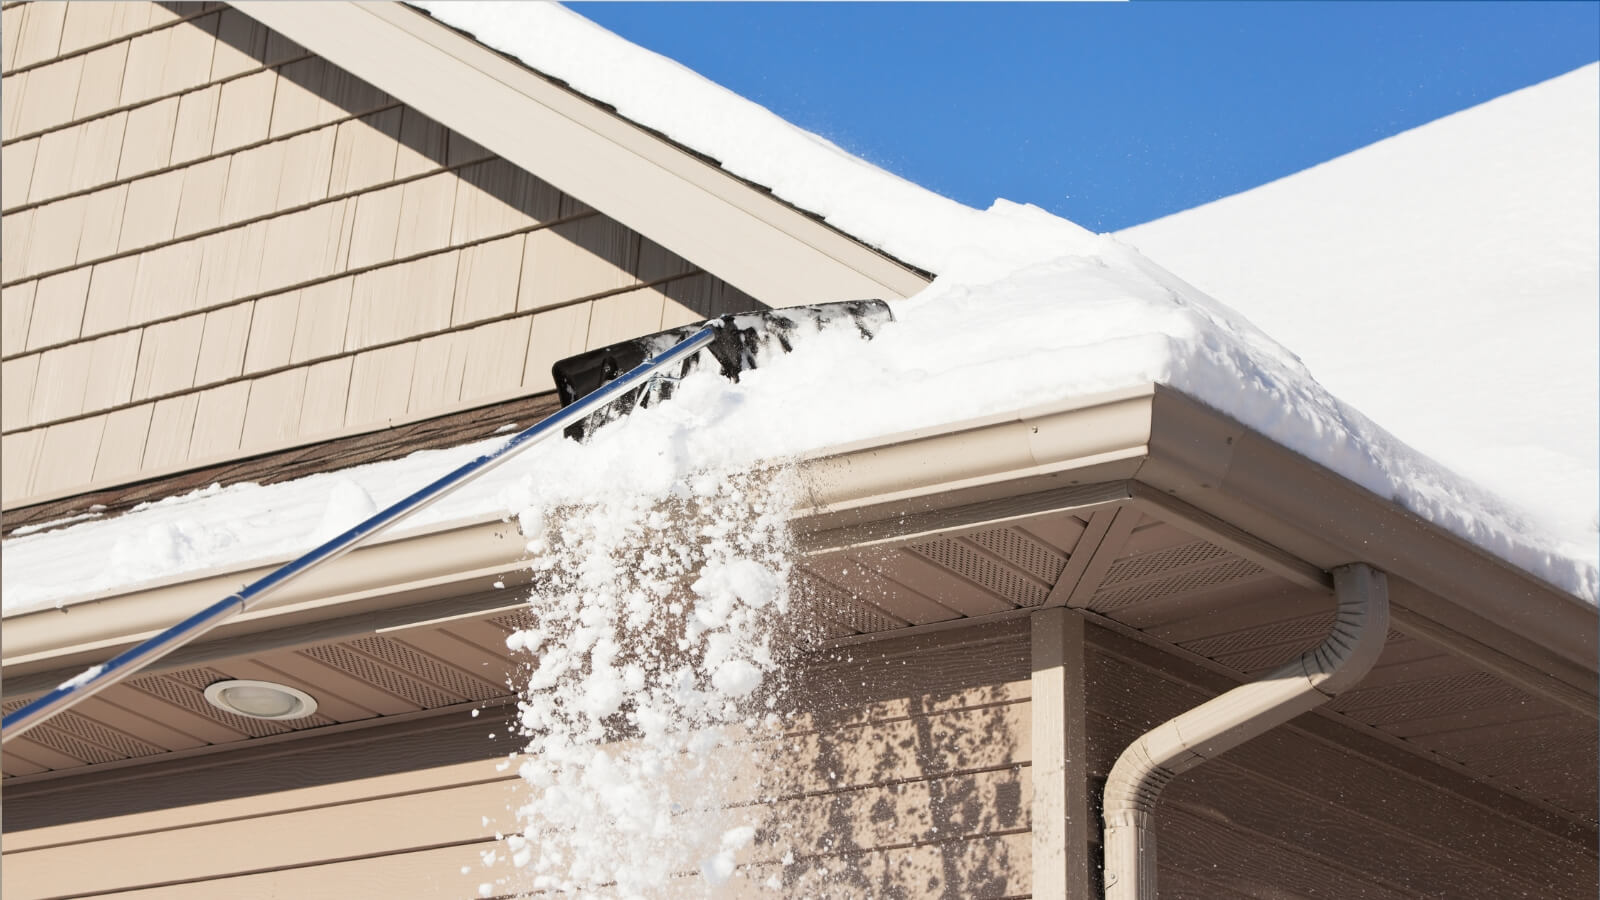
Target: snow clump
656, 638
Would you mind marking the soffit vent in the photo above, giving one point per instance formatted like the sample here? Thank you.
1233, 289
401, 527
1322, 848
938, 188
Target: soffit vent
1425, 699
416, 663
1161, 562
833, 605
1022, 551
124, 745
52, 736
1225, 570
412, 690
511, 623
973, 565
1295, 631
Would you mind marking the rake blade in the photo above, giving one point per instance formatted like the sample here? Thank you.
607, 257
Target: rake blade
743, 341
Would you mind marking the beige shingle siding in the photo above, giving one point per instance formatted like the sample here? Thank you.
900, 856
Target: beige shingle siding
218, 245
122, 443
16, 311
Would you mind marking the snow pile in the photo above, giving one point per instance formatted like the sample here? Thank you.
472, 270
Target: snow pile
1445, 282
657, 640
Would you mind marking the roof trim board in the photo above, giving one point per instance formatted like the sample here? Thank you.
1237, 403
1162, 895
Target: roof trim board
740, 233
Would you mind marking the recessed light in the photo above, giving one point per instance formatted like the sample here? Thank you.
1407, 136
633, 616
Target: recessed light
261, 699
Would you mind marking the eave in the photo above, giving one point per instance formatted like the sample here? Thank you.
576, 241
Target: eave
1145, 451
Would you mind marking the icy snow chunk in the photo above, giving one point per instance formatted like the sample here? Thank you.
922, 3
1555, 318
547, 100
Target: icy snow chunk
348, 505
736, 678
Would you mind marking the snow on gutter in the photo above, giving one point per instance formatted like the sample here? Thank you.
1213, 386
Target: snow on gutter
1142, 444
473, 544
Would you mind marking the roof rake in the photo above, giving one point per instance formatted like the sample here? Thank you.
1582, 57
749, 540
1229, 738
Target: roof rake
595, 387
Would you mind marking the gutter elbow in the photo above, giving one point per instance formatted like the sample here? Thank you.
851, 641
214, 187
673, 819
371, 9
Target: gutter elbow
1360, 630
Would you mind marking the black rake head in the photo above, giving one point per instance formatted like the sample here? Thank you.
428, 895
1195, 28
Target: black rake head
741, 342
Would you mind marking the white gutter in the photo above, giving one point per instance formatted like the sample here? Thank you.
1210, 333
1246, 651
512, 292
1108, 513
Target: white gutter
1222, 723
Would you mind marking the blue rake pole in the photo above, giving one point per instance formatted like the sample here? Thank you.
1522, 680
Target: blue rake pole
99, 677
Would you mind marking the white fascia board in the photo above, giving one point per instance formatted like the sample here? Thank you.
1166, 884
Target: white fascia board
742, 235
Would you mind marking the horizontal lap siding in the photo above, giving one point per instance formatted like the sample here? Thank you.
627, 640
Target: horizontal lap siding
216, 245
1288, 813
884, 790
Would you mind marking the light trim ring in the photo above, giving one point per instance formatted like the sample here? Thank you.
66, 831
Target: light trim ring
260, 699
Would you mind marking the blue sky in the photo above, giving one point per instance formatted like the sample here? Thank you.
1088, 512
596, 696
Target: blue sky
1111, 114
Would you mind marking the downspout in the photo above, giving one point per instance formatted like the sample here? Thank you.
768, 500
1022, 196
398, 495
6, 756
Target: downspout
1144, 768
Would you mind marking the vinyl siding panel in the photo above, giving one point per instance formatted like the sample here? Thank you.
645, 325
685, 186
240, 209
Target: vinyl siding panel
148, 142
17, 173
218, 421
39, 34
10, 30
486, 281
168, 355
12, 88
150, 215
52, 167
364, 152
48, 94
102, 223
110, 303
16, 311
58, 304
194, 132
495, 356
68, 454
380, 385
113, 366
244, 111
17, 378
556, 334
320, 320
122, 444
436, 380
223, 342
100, 84
327, 389
19, 453
272, 414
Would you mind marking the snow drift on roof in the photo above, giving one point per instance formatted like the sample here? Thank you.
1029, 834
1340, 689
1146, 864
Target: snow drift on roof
1028, 309
1445, 282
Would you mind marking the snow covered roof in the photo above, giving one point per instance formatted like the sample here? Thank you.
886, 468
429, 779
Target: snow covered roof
1443, 281
1028, 309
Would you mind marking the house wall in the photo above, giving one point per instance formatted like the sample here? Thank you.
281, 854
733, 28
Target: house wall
907, 774
216, 244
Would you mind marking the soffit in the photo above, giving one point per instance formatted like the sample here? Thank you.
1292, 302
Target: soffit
1120, 562
739, 232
